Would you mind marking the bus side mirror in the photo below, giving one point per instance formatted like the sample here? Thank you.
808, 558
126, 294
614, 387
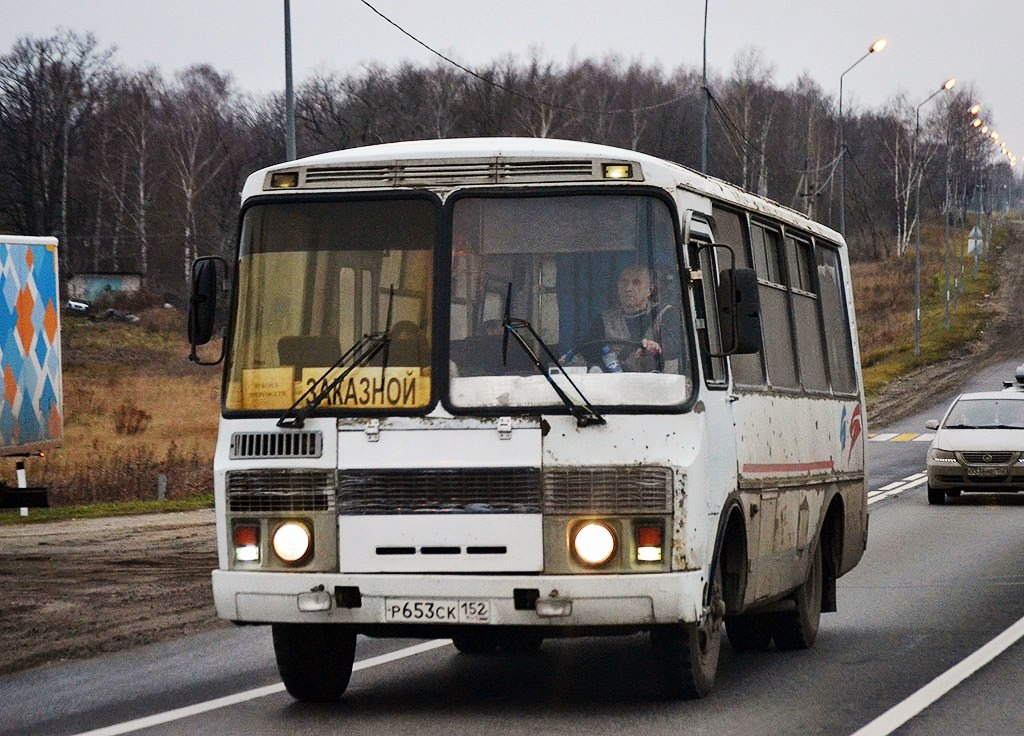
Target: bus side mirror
739, 308
202, 305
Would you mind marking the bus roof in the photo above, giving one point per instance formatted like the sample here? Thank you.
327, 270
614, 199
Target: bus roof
656, 172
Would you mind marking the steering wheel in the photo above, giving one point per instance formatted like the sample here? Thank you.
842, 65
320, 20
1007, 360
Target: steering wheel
620, 347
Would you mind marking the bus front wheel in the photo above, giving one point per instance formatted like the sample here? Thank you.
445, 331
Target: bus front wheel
314, 660
687, 654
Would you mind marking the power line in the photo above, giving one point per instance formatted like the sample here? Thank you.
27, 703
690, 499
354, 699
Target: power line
523, 95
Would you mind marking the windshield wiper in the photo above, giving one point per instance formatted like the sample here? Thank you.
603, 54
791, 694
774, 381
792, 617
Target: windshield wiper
586, 415
959, 426
361, 353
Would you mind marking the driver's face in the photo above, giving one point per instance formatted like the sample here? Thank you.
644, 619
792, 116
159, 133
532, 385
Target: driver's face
634, 289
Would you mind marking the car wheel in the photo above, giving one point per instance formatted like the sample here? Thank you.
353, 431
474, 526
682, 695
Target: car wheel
936, 496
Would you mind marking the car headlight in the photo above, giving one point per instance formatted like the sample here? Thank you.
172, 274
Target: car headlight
941, 456
594, 543
292, 542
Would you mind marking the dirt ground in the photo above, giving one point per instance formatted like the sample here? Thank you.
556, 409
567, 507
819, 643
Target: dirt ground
74, 589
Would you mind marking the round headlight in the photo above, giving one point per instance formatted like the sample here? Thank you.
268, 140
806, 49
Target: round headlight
594, 543
292, 541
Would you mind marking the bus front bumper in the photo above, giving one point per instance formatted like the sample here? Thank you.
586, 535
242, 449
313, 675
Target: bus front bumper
510, 600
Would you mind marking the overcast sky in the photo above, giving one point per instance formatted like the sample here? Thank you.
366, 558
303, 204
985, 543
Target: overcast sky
977, 41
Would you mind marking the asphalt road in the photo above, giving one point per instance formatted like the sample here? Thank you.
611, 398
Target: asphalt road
935, 586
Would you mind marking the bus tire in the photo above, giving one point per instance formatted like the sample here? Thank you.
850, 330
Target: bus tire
798, 629
687, 654
314, 660
749, 633
936, 496
480, 641
522, 643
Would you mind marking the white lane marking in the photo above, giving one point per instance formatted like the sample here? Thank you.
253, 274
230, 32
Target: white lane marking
924, 438
260, 692
882, 437
911, 706
893, 489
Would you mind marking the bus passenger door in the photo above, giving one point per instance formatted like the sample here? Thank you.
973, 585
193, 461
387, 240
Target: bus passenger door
716, 400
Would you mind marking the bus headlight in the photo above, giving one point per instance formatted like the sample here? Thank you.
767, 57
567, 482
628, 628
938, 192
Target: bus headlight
292, 542
594, 543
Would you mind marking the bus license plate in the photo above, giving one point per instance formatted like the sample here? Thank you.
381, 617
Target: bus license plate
432, 611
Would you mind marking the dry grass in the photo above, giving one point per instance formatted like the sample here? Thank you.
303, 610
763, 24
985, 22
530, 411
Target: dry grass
884, 299
134, 409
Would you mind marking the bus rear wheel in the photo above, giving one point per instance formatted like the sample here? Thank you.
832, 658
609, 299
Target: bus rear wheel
314, 660
798, 629
687, 654
481, 641
748, 633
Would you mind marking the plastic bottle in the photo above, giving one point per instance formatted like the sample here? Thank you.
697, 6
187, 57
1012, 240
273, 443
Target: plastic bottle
610, 360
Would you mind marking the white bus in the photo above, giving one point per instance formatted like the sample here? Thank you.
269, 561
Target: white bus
501, 390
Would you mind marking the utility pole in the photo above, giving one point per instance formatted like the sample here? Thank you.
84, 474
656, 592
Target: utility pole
289, 97
704, 86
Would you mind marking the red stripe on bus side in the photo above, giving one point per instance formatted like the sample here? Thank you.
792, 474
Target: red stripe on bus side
788, 467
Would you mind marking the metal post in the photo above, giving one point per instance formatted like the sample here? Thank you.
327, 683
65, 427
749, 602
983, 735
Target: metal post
289, 97
19, 468
842, 161
704, 86
917, 242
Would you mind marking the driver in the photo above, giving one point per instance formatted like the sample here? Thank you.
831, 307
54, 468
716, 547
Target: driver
643, 333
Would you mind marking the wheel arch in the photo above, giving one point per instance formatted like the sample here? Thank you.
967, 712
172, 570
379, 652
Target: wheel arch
731, 552
832, 539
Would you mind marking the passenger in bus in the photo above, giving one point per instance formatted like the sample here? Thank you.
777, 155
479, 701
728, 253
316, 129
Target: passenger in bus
643, 332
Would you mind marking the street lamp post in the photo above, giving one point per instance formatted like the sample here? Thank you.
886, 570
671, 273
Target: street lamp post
876, 46
946, 86
972, 112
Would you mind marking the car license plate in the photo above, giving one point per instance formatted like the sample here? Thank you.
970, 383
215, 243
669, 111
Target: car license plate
437, 611
986, 471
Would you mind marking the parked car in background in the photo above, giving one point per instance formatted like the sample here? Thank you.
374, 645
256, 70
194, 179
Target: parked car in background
979, 444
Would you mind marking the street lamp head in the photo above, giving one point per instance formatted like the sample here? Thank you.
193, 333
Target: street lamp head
878, 45
975, 109
948, 85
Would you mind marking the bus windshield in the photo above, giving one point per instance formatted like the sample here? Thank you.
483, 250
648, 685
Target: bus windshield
313, 279
595, 275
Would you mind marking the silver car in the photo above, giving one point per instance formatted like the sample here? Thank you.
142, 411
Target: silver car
979, 445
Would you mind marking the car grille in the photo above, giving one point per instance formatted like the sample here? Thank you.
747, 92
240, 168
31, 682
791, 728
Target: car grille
250, 491
987, 458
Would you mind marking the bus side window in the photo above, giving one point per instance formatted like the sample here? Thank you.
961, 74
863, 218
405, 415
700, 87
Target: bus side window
709, 334
836, 320
747, 370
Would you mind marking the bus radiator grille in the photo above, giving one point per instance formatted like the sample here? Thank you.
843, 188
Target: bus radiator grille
440, 491
250, 491
608, 490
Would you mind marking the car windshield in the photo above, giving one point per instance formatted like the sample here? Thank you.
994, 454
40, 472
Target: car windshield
597, 280
986, 414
